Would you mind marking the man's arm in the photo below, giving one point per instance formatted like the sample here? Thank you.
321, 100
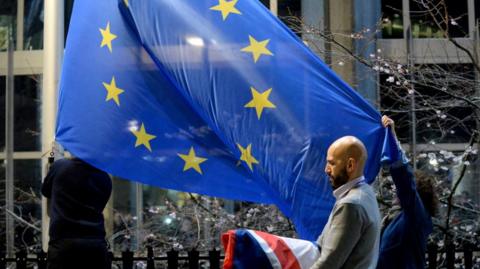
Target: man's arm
401, 172
404, 180
342, 236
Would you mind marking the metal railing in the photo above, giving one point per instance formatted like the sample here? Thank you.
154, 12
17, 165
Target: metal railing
446, 257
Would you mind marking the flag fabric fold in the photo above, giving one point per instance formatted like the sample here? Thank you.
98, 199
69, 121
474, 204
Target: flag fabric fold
255, 249
214, 97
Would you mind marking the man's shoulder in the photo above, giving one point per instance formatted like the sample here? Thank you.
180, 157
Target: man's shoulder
359, 195
349, 212
71, 163
63, 162
364, 198
60, 165
349, 205
67, 167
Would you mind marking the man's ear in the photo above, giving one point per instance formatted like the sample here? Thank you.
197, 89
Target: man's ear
351, 163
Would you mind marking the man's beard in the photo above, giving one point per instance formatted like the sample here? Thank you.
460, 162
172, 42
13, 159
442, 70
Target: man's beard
340, 179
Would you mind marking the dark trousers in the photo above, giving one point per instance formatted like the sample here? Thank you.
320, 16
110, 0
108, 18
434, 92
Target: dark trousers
78, 253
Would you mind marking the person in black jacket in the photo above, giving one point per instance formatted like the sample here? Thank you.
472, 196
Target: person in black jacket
77, 193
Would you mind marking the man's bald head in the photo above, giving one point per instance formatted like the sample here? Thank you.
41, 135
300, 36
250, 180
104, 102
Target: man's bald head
346, 159
352, 147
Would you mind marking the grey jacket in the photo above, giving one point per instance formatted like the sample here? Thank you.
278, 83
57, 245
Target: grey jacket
351, 237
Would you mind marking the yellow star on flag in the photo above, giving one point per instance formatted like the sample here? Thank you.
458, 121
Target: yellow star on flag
143, 138
260, 101
107, 37
192, 161
247, 155
257, 48
113, 91
226, 7
126, 2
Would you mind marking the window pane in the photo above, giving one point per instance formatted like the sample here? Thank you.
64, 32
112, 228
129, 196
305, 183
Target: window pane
392, 24
68, 15
266, 3
3, 216
33, 25
447, 167
125, 219
2, 112
470, 185
289, 8
27, 113
395, 102
477, 15
426, 25
8, 12
440, 118
27, 182
154, 196
290, 12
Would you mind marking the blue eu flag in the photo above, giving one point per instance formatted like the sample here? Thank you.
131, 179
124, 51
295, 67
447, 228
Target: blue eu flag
215, 97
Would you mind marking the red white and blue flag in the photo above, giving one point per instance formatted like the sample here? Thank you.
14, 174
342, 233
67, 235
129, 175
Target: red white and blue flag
254, 249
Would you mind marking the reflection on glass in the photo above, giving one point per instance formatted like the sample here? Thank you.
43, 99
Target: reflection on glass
421, 29
447, 166
424, 25
8, 21
477, 15
68, 15
27, 113
437, 121
124, 215
394, 100
290, 12
3, 227
33, 25
392, 23
169, 218
155, 197
469, 189
27, 183
2, 112
266, 3
445, 125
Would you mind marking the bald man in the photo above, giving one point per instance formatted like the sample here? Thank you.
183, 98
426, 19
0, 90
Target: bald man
350, 239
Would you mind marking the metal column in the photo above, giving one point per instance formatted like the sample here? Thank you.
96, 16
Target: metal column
9, 117
20, 25
413, 114
53, 36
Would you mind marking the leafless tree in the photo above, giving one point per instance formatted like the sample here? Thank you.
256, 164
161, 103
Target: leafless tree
445, 101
